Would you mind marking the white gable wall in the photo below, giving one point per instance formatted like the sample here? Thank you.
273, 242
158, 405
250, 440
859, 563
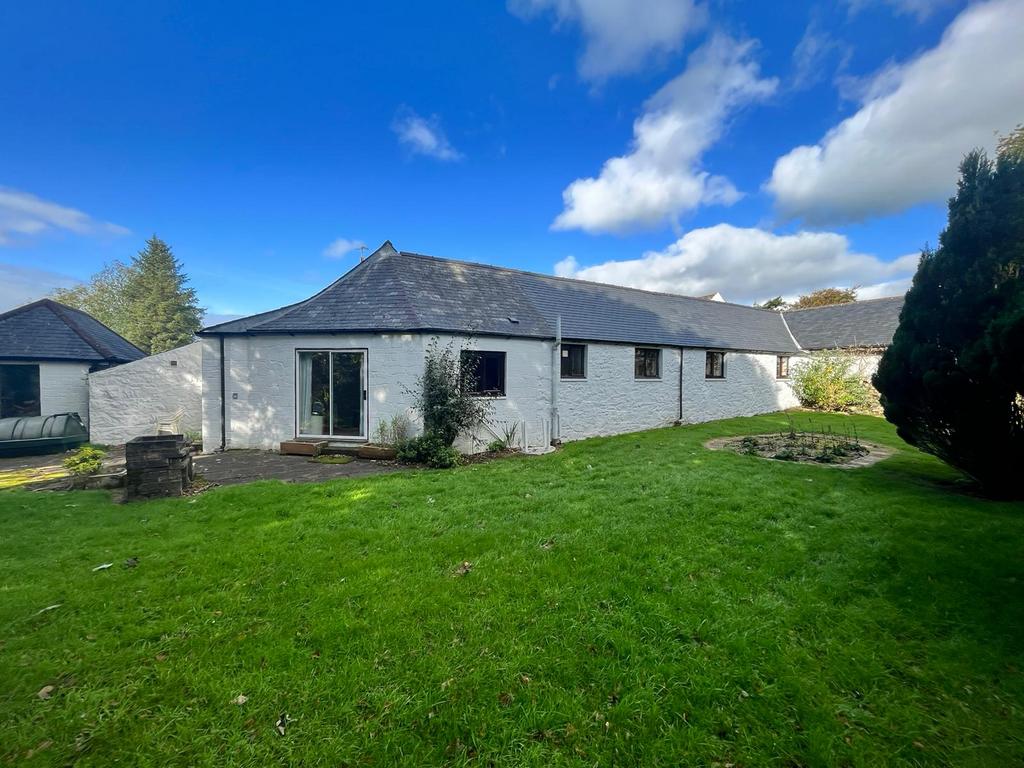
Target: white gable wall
128, 400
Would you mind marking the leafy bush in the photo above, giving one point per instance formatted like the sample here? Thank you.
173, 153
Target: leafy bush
830, 381
86, 461
953, 379
449, 408
430, 450
442, 396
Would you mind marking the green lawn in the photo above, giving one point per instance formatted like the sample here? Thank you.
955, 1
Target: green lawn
636, 599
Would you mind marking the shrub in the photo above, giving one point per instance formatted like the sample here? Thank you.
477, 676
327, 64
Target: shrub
392, 432
441, 395
86, 461
430, 450
830, 381
953, 379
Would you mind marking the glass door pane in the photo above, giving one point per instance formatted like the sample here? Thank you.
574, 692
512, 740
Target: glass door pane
314, 392
347, 394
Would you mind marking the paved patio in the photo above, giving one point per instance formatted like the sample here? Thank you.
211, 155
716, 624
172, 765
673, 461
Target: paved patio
234, 467
228, 468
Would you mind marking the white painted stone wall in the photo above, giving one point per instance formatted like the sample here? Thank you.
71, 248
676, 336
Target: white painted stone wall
260, 383
750, 387
611, 400
261, 370
128, 400
64, 388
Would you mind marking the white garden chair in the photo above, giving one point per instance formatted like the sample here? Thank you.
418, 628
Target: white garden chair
170, 425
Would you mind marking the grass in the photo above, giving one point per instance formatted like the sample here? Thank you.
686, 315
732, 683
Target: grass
628, 600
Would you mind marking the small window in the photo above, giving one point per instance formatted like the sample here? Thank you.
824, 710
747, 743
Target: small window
782, 367
574, 361
714, 365
19, 390
484, 372
647, 363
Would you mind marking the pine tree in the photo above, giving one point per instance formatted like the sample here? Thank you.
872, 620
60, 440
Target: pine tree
162, 312
953, 380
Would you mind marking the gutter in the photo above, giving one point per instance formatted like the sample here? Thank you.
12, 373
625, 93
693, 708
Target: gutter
680, 420
223, 400
556, 368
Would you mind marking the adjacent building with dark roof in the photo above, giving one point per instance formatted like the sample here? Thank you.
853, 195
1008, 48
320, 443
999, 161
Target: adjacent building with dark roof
46, 353
558, 358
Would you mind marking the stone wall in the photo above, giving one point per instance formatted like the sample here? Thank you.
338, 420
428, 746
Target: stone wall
611, 400
128, 400
261, 370
750, 387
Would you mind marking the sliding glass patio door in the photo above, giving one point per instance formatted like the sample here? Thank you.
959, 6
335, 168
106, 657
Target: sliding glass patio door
331, 387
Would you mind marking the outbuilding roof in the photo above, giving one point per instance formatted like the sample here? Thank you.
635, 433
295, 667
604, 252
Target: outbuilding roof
868, 323
47, 330
400, 291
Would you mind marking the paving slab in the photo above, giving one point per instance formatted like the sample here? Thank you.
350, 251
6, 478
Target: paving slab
247, 466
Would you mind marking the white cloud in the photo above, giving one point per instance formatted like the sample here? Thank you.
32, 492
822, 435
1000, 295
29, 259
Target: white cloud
918, 119
621, 35
20, 285
24, 214
423, 136
661, 177
748, 265
341, 247
919, 9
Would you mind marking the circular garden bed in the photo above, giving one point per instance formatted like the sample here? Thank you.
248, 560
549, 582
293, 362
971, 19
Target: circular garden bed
825, 448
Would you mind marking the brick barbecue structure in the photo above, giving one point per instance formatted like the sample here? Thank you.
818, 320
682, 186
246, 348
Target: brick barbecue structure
157, 465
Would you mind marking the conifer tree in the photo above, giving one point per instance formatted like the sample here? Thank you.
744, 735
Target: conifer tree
163, 312
953, 379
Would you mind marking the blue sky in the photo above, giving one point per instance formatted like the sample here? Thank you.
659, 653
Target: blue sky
750, 148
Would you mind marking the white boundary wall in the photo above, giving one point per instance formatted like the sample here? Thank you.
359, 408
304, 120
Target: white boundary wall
128, 400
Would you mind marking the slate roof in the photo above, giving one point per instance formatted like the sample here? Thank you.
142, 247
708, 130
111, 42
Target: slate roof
869, 323
400, 291
47, 330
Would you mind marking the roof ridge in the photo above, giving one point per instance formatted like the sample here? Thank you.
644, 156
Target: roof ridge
846, 303
104, 325
560, 278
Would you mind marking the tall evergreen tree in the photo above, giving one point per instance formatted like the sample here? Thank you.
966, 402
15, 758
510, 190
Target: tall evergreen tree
953, 380
163, 312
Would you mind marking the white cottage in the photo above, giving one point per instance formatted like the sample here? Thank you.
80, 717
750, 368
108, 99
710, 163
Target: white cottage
563, 359
47, 351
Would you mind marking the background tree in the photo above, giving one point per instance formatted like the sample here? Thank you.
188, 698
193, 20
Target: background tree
953, 380
162, 312
148, 301
103, 297
776, 304
825, 297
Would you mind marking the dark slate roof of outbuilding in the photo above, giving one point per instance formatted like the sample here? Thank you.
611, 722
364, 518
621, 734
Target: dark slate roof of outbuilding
869, 323
47, 330
400, 291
